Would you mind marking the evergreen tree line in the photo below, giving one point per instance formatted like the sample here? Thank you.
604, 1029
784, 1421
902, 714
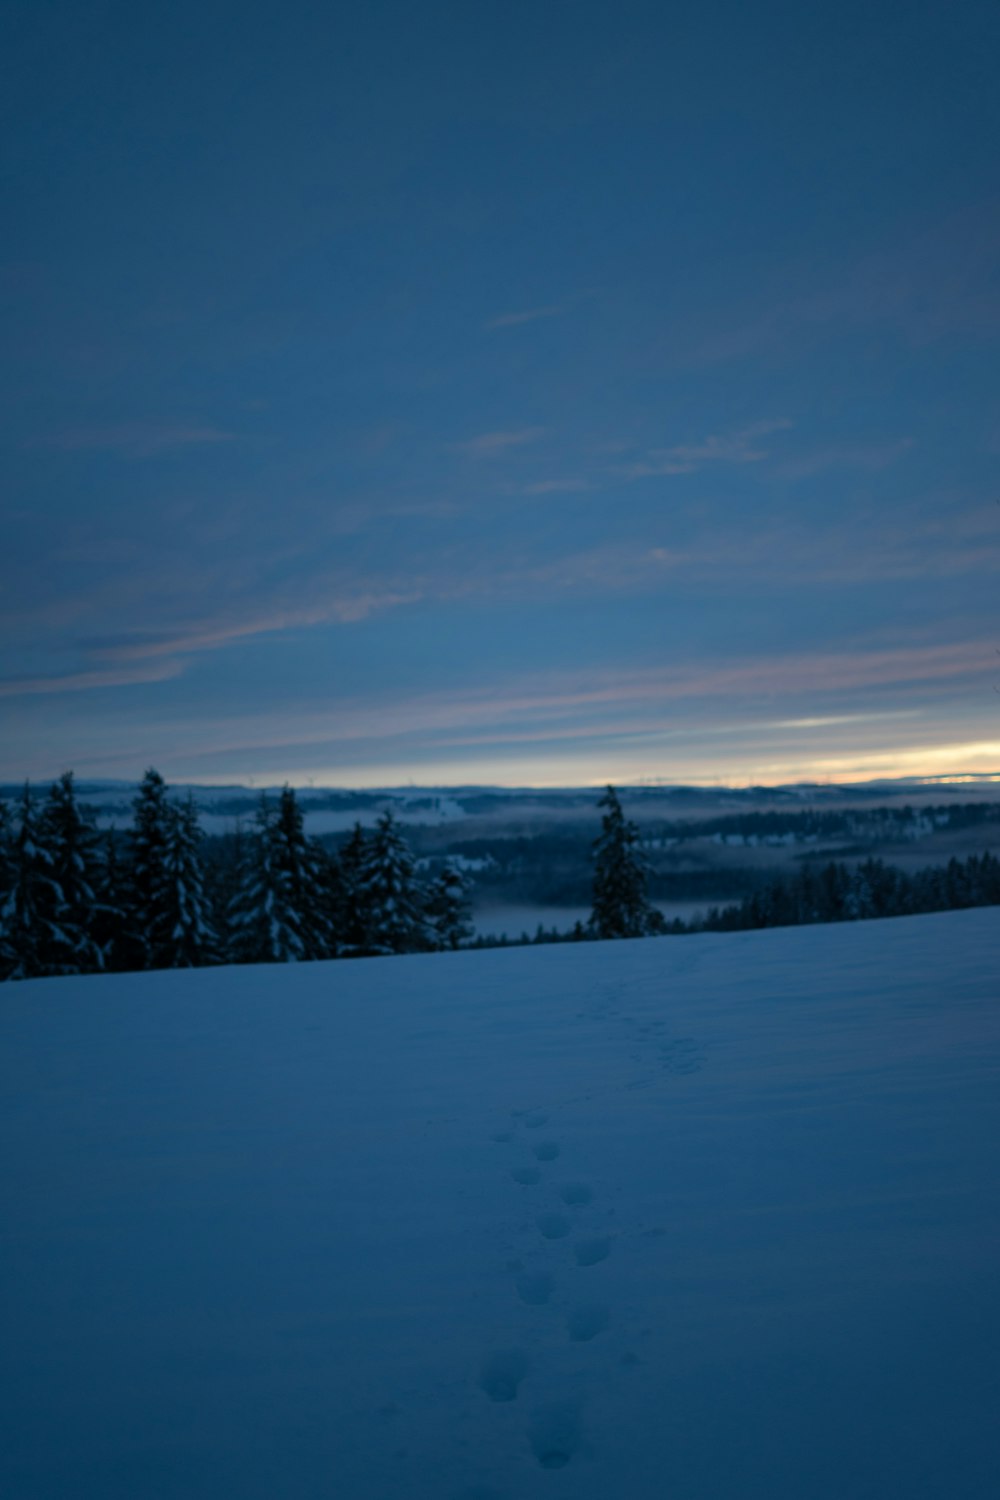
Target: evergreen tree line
839, 893
835, 893
76, 901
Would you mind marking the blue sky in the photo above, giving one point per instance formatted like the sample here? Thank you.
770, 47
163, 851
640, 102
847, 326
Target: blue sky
527, 393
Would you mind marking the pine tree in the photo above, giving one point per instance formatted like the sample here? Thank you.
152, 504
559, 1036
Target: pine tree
110, 927
350, 914
150, 915
392, 900
32, 938
448, 908
6, 887
258, 930
192, 940
620, 906
77, 868
223, 879
277, 914
834, 893
249, 937
861, 900
302, 864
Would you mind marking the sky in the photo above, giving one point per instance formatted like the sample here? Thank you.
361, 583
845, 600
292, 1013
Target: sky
525, 393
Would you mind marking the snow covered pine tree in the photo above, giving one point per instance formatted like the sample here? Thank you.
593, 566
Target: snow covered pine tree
78, 870
393, 902
448, 908
347, 898
192, 940
6, 885
32, 942
278, 914
620, 906
150, 915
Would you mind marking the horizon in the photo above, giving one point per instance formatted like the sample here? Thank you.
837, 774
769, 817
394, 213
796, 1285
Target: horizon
889, 783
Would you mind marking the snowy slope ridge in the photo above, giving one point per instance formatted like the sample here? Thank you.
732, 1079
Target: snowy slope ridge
709, 1217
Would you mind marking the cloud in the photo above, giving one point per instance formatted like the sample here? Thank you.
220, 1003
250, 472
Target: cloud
609, 567
584, 705
872, 457
519, 316
937, 541
802, 715
138, 439
210, 636
335, 602
80, 682
739, 447
489, 443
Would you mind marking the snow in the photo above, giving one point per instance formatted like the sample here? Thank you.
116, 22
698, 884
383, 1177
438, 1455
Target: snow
704, 1217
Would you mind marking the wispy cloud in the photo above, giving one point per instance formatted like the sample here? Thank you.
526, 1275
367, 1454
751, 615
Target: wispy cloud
939, 540
518, 316
654, 705
607, 568
740, 447
138, 439
871, 457
81, 682
347, 608
489, 444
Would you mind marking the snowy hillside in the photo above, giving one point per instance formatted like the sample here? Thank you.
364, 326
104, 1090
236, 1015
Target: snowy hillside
709, 1218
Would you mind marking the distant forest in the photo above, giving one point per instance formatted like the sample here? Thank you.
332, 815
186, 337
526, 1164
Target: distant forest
160, 894
551, 867
834, 892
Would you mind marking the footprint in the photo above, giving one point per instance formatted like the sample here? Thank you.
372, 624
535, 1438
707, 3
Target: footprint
536, 1119
576, 1192
526, 1176
554, 1433
545, 1151
553, 1226
502, 1374
591, 1252
586, 1322
535, 1288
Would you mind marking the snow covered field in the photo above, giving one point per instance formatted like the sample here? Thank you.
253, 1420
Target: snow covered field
710, 1217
